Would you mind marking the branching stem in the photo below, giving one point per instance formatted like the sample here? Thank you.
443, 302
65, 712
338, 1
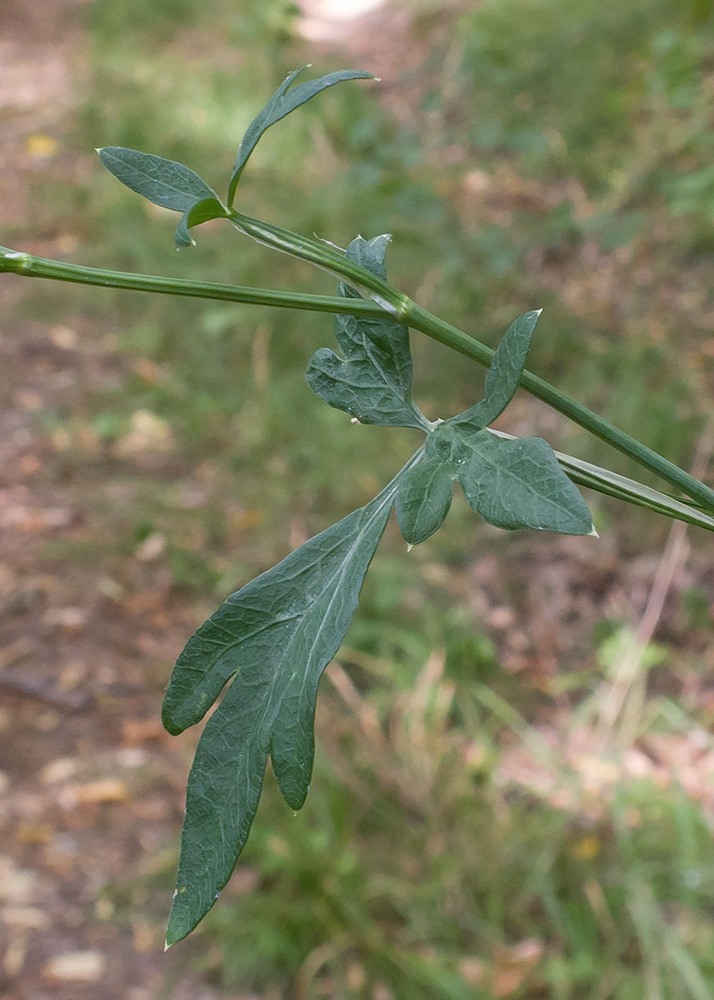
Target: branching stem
381, 297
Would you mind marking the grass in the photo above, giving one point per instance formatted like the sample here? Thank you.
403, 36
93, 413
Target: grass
456, 842
420, 867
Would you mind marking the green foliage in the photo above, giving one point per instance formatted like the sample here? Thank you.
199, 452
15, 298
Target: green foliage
570, 71
284, 100
373, 381
206, 385
166, 183
276, 636
425, 492
618, 893
175, 186
512, 484
503, 374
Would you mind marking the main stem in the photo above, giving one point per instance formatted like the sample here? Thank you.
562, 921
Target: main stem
412, 315
384, 298
431, 325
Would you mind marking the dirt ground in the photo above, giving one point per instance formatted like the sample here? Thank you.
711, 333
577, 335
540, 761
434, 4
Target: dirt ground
91, 788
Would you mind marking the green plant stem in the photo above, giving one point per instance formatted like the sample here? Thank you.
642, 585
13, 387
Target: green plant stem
14, 262
412, 315
328, 258
431, 325
397, 304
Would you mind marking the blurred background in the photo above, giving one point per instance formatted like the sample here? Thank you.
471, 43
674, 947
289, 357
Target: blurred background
514, 787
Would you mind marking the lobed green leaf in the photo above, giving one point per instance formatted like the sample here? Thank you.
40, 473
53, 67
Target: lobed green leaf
372, 382
275, 637
511, 482
283, 101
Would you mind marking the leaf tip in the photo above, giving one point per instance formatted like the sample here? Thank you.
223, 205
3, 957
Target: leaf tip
593, 533
171, 727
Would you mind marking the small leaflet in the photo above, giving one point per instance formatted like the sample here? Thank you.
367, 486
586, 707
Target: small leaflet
284, 100
167, 183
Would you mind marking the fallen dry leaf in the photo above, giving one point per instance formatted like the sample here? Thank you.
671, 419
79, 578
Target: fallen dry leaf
75, 967
18, 885
103, 790
14, 513
40, 146
151, 548
64, 337
26, 917
60, 770
472, 970
149, 433
514, 964
15, 954
17, 650
147, 937
71, 619
31, 832
137, 731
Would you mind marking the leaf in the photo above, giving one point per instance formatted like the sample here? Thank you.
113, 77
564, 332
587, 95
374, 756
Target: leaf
373, 380
503, 374
424, 496
370, 254
281, 104
275, 637
201, 211
511, 482
168, 184
518, 483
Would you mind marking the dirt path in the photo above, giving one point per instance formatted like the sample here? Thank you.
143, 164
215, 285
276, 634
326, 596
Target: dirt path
91, 788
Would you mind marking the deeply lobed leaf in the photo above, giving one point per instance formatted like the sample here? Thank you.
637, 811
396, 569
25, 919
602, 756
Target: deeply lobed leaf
372, 382
511, 483
275, 637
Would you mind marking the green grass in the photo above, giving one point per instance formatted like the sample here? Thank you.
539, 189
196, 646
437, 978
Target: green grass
413, 871
412, 866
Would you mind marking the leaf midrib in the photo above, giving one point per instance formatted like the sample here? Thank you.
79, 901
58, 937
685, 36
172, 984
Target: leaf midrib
339, 573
